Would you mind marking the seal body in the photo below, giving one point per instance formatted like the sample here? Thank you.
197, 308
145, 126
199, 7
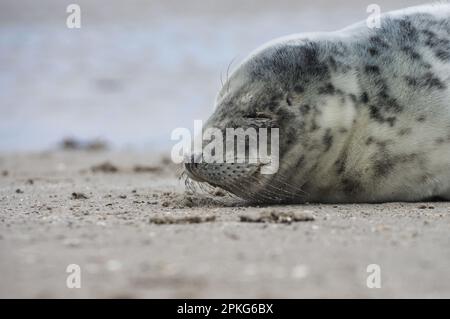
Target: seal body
363, 113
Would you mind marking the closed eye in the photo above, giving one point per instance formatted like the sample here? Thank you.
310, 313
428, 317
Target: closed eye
259, 119
258, 115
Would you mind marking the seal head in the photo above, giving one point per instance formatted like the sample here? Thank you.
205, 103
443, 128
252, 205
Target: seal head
363, 114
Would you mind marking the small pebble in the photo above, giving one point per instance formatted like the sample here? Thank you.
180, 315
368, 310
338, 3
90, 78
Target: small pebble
76, 195
283, 217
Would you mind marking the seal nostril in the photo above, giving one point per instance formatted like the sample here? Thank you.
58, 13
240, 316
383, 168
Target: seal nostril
191, 161
187, 166
195, 159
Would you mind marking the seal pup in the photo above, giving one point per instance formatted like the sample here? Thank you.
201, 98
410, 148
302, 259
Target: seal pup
363, 113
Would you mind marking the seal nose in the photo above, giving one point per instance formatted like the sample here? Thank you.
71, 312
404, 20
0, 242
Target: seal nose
191, 162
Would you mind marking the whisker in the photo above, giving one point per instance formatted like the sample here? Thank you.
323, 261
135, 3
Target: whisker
275, 190
236, 189
221, 80
279, 177
267, 194
283, 179
256, 197
228, 71
284, 194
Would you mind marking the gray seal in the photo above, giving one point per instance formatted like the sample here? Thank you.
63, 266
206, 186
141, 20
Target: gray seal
363, 113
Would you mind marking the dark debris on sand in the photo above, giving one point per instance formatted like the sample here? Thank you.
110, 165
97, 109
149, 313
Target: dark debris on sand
76, 195
72, 144
146, 169
170, 220
273, 216
105, 167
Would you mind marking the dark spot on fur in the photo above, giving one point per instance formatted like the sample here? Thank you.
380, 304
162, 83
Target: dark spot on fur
369, 140
314, 125
404, 131
333, 64
382, 167
391, 121
300, 162
304, 109
373, 51
327, 140
408, 30
299, 89
440, 46
429, 34
337, 66
340, 164
350, 186
365, 98
327, 89
426, 81
276, 62
385, 163
443, 55
376, 115
290, 136
421, 118
372, 69
411, 53
382, 144
288, 101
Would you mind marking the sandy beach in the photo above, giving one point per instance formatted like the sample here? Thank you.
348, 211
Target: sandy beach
127, 221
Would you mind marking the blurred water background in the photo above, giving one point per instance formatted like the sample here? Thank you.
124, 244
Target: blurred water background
136, 69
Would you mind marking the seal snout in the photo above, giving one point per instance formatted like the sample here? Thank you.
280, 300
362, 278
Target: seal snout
191, 164
219, 174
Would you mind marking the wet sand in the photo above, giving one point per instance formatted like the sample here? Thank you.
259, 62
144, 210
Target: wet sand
127, 221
